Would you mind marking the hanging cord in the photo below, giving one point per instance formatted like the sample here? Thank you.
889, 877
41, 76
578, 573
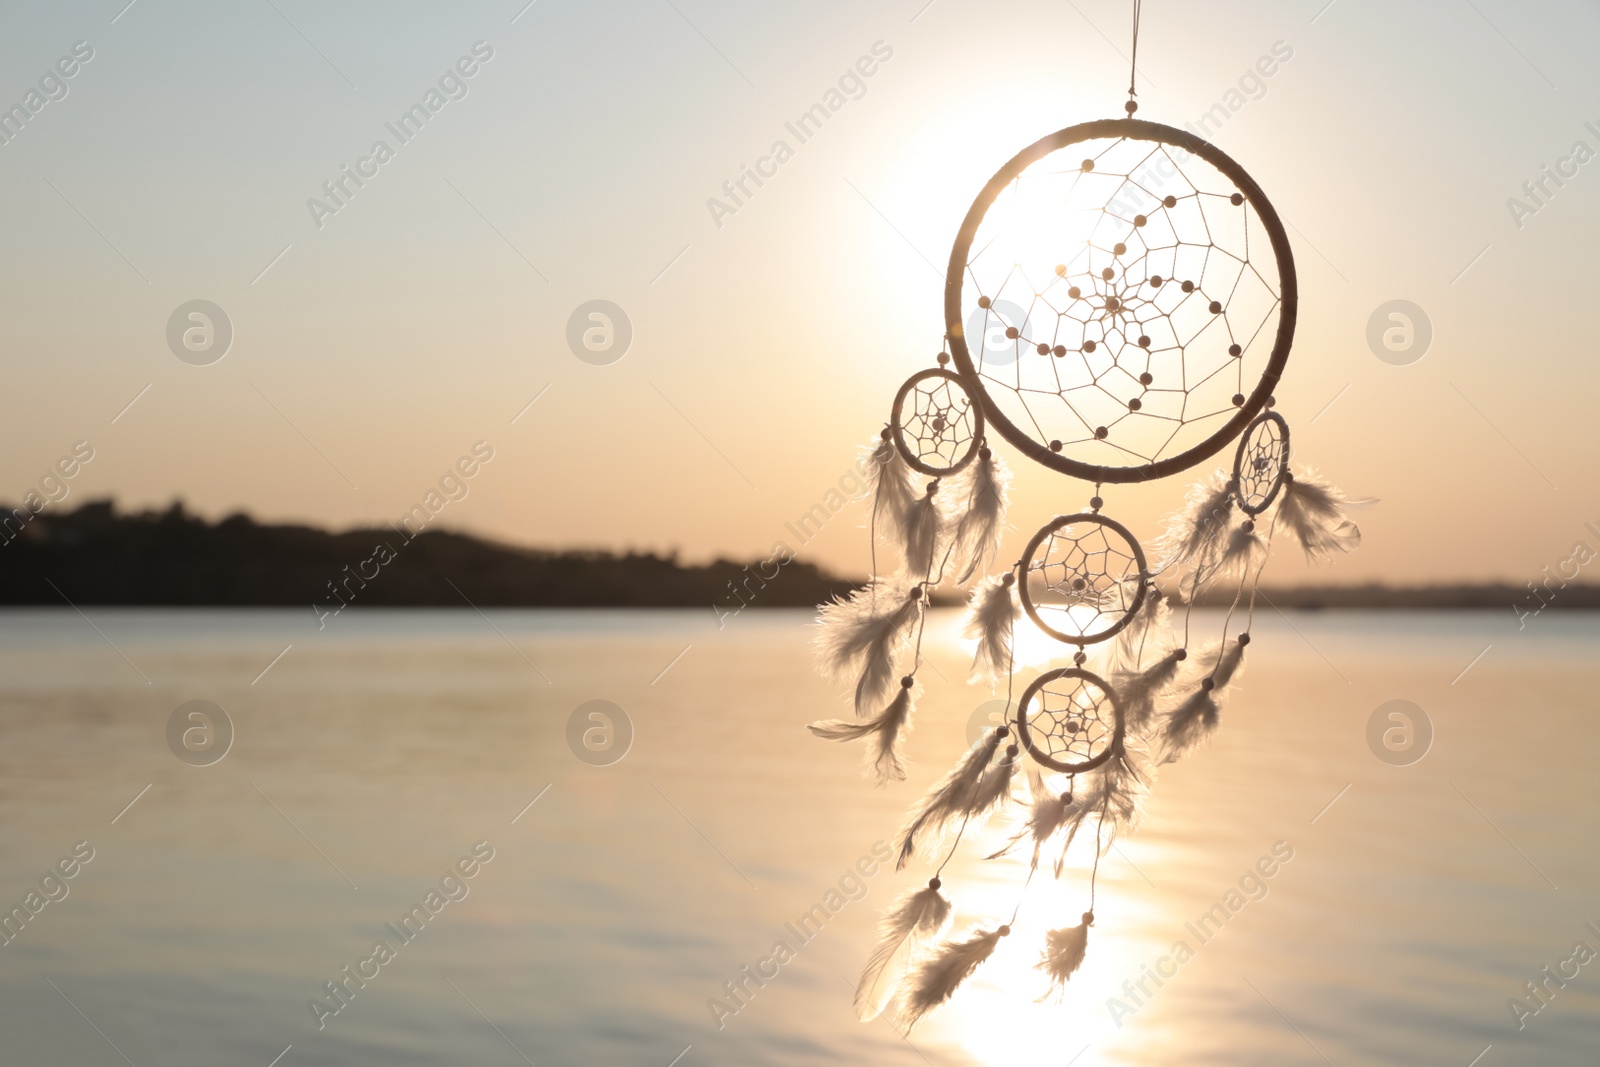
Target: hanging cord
1255, 586
933, 487
1200, 578
937, 577
1133, 64
1021, 897
873, 529
954, 845
1238, 595
1266, 556
1094, 874
1188, 610
1011, 650
922, 621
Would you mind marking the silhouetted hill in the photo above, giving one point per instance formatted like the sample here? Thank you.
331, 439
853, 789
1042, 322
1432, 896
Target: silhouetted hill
95, 555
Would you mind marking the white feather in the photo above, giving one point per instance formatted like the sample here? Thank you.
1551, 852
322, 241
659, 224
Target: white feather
1129, 646
939, 975
1189, 724
1196, 533
1221, 663
1314, 512
889, 480
861, 638
991, 618
978, 531
947, 800
1048, 812
1244, 548
994, 788
917, 917
920, 535
1112, 796
884, 733
1064, 952
1139, 690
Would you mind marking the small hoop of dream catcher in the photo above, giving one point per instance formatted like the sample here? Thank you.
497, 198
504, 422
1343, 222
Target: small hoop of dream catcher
1260, 464
1069, 720
938, 429
1119, 306
1085, 578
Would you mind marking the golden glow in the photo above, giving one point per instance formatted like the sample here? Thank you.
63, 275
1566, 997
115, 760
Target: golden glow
1035, 228
1006, 1014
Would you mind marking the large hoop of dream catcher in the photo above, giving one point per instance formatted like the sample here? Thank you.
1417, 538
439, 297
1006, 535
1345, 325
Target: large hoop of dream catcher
1136, 257
1069, 720
938, 427
1084, 578
1261, 463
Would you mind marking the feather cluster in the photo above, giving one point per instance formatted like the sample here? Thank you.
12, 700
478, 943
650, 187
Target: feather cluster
1196, 716
943, 971
861, 638
992, 614
1314, 512
884, 734
1064, 951
978, 531
916, 918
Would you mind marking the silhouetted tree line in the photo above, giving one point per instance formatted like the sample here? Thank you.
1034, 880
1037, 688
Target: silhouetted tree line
96, 555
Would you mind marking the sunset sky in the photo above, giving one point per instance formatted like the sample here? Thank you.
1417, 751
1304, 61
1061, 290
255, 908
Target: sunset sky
375, 344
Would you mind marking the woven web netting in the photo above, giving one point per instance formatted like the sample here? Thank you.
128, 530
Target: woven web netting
937, 423
1121, 301
1265, 450
1070, 720
1083, 579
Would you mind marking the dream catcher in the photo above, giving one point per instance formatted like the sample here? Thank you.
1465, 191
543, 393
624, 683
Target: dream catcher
1119, 307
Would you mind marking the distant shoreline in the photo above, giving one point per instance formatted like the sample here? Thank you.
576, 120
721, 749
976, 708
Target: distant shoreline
98, 556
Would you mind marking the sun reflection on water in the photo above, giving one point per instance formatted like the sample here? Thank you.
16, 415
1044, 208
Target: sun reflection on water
1006, 1013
